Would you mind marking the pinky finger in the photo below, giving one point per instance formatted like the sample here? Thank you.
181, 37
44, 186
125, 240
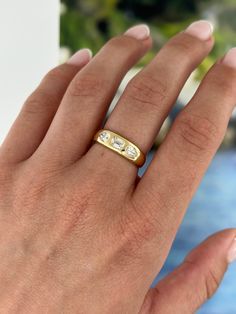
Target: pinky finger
38, 111
196, 280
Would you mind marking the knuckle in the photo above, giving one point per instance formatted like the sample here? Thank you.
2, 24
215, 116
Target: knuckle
197, 134
211, 283
148, 91
208, 279
138, 232
31, 189
87, 85
38, 102
76, 209
138, 227
55, 75
33, 181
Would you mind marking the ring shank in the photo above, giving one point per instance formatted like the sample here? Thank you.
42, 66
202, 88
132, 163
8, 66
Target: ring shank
121, 146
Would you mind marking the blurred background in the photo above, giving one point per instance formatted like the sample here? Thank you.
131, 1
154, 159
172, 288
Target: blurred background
30, 39
90, 23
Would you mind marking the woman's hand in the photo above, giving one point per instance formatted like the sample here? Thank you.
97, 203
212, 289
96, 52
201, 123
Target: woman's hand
79, 231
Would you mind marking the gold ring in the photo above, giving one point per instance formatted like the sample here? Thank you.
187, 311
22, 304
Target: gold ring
121, 146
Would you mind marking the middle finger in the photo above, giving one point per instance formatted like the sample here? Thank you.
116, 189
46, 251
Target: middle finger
88, 97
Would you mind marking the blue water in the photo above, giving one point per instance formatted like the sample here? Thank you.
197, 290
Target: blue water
212, 209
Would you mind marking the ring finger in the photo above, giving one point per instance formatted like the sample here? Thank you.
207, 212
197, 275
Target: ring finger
149, 96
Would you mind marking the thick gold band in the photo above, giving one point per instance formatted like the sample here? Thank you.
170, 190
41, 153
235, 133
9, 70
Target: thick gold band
121, 145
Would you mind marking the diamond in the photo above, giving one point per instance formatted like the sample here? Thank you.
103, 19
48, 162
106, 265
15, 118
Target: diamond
131, 152
117, 143
104, 136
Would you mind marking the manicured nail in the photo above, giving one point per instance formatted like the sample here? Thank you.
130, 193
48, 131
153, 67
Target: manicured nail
81, 57
232, 252
203, 30
230, 58
139, 32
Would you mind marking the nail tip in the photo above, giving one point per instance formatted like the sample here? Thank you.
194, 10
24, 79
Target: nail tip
90, 53
202, 29
147, 29
203, 22
139, 32
82, 56
232, 252
211, 26
230, 58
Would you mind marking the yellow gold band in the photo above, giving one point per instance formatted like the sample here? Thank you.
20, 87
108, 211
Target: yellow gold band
121, 146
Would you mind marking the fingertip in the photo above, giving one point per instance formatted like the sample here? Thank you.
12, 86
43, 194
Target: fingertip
231, 257
230, 58
221, 246
202, 30
139, 32
81, 57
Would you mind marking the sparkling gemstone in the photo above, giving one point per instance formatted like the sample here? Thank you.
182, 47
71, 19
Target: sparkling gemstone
117, 143
131, 152
104, 136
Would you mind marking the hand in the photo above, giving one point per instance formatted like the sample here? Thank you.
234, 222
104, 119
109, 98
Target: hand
80, 232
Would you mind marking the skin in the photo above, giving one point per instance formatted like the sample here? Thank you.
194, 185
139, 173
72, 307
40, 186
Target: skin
79, 231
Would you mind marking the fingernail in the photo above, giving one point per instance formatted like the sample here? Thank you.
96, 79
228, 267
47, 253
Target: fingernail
139, 32
232, 252
203, 30
230, 58
81, 57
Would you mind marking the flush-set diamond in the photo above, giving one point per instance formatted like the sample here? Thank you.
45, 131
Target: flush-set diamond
119, 144
104, 136
131, 152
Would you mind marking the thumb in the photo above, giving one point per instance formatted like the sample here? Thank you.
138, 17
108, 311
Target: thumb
196, 280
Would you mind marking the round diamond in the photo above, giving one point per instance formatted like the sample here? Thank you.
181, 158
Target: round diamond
117, 143
131, 152
104, 136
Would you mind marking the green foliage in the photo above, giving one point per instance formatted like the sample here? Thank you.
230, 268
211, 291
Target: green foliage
90, 23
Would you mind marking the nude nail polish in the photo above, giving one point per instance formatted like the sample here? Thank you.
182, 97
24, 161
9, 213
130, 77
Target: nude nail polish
140, 32
202, 29
81, 57
232, 252
230, 58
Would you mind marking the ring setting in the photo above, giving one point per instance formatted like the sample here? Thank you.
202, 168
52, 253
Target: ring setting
120, 145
